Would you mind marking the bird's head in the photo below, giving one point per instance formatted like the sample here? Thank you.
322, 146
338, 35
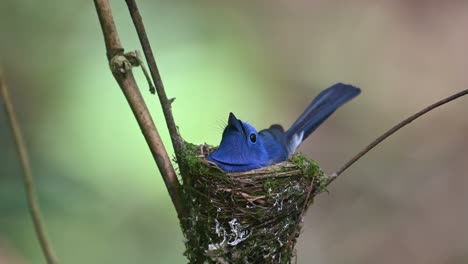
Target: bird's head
240, 147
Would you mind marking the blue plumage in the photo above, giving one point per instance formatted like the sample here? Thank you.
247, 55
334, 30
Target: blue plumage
242, 148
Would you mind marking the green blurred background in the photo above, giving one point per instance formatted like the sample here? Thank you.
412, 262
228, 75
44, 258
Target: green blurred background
102, 197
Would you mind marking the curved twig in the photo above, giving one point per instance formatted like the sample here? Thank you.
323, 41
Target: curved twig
393, 130
27, 174
177, 141
121, 69
377, 141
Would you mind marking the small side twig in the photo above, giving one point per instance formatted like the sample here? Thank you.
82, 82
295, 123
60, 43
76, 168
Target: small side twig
177, 141
27, 174
134, 57
391, 131
121, 69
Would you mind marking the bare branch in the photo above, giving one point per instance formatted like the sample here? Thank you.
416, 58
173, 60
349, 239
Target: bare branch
177, 141
121, 69
27, 174
393, 130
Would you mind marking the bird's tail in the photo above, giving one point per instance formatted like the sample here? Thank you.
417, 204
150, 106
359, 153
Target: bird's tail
318, 111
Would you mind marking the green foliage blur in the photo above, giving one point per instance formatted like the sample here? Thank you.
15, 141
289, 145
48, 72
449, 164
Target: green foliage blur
103, 199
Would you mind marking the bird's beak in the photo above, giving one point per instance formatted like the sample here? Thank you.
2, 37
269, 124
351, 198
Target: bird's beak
236, 124
233, 121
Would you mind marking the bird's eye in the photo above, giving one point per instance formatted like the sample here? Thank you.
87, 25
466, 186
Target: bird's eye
253, 138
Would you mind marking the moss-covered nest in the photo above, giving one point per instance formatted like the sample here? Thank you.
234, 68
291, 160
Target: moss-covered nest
249, 217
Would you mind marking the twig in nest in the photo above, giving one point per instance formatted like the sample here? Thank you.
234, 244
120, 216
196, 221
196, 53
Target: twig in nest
27, 174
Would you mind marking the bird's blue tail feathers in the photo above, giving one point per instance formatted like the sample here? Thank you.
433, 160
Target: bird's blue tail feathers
318, 111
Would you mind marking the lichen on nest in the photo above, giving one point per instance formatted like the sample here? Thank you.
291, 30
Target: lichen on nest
248, 217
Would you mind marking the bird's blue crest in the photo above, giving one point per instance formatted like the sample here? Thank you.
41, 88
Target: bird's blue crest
242, 148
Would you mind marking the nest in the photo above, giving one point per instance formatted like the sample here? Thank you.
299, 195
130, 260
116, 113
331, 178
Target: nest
249, 217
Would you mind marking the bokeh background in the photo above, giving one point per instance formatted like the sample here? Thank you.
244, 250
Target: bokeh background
102, 197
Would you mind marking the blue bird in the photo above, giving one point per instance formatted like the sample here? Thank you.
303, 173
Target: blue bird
242, 148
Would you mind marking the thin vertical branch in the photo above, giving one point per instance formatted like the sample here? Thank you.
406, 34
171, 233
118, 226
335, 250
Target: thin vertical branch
121, 69
27, 174
177, 142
